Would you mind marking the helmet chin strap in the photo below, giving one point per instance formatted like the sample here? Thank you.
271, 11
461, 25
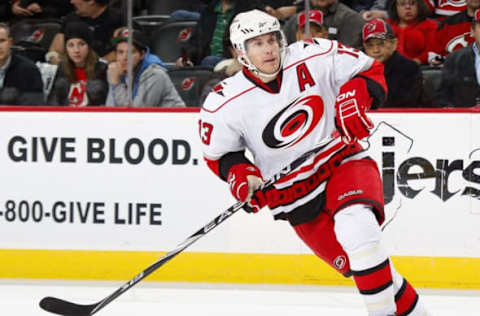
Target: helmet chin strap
247, 63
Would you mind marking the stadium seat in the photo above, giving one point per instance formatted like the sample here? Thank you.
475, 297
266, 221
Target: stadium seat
148, 23
169, 38
189, 82
432, 79
32, 52
36, 32
166, 6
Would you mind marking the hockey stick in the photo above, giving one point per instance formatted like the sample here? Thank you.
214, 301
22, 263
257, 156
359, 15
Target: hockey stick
62, 307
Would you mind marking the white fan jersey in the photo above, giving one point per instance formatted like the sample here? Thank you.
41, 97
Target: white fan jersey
279, 126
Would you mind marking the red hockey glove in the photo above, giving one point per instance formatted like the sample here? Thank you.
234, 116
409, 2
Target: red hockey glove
351, 104
243, 180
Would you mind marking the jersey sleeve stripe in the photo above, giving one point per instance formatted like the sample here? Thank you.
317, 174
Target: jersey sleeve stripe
232, 98
309, 57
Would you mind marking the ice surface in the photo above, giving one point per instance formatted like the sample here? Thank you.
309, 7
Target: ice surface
21, 297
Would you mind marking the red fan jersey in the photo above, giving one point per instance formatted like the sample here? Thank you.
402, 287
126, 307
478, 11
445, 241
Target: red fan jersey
452, 34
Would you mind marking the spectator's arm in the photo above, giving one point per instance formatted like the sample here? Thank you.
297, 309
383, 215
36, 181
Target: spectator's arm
57, 44
156, 89
19, 11
281, 13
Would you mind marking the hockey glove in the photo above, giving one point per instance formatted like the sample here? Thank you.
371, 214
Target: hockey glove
351, 104
244, 180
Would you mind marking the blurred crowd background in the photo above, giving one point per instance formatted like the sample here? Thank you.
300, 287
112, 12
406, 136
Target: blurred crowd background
76, 53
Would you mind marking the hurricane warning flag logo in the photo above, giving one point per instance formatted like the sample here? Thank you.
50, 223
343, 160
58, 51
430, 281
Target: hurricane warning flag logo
295, 122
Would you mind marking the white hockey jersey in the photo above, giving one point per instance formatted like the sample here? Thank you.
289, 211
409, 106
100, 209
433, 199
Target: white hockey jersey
278, 127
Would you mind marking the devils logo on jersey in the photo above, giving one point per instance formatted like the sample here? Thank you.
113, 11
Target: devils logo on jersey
459, 41
294, 122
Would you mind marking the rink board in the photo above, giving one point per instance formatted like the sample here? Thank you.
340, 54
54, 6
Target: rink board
102, 194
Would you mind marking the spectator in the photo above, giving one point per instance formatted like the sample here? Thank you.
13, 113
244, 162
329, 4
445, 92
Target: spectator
453, 33
414, 32
343, 24
404, 77
80, 67
18, 72
102, 19
317, 29
444, 8
461, 74
41, 9
151, 85
377, 11
205, 47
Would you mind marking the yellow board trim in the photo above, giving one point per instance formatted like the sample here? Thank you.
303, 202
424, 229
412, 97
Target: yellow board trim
430, 272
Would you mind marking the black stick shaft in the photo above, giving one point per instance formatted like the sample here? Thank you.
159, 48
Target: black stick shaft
170, 255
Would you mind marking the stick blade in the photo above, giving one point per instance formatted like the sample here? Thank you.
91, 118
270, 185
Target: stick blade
62, 307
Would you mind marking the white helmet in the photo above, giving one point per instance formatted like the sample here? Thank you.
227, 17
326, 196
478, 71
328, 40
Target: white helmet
250, 24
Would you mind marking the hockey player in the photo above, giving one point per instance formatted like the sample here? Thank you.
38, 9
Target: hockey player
284, 102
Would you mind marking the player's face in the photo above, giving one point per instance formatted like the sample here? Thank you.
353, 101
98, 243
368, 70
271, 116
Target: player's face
264, 53
77, 51
407, 10
380, 49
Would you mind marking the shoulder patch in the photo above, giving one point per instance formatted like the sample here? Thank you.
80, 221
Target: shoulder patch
225, 92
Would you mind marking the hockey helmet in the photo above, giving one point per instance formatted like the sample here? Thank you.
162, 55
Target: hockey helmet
250, 24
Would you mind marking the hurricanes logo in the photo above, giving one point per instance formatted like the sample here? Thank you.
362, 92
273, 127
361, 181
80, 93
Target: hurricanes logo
218, 89
340, 262
294, 122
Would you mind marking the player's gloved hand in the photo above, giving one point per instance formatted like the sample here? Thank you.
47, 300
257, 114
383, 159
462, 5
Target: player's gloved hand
244, 180
351, 105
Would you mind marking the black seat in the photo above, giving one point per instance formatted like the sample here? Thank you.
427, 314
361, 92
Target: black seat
169, 38
32, 52
432, 80
189, 82
148, 23
168, 6
37, 32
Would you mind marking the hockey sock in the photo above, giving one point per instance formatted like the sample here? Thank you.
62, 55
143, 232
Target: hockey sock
359, 234
407, 300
